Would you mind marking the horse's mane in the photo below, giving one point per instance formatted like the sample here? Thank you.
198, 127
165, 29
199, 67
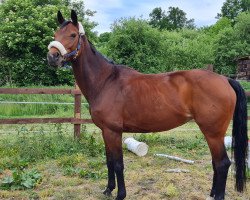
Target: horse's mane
95, 51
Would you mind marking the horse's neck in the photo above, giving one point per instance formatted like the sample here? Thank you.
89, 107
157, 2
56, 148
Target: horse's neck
91, 71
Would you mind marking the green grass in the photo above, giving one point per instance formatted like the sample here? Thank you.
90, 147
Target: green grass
245, 85
76, 169
27, 147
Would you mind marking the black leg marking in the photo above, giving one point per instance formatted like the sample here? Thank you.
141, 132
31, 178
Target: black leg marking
111, 176
221, 178
213, 191
119, 167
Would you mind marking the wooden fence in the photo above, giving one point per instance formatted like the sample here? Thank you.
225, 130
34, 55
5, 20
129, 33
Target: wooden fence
76, 120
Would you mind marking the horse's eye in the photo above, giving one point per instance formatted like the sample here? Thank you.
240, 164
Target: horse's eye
73, 35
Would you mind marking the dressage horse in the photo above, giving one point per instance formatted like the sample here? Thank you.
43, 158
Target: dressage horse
122, 99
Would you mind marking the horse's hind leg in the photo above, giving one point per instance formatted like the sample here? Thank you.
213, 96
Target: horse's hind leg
221, 164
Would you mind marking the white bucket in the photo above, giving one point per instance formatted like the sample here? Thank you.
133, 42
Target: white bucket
139, 148
228, 144
228, 141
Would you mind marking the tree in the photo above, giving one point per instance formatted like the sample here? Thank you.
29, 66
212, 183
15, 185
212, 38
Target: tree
177, 19
245, 5
231, 43
26, 28
221, 24
242, 28
174, 19
232, 8
158, 18
135, 43
102, 44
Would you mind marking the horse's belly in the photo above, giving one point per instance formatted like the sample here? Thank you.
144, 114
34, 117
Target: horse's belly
154, 122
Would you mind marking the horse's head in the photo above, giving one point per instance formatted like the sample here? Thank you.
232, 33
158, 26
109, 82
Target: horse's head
67, 43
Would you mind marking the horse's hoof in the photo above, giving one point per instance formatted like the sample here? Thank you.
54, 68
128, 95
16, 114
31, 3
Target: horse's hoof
107, 192
120, 197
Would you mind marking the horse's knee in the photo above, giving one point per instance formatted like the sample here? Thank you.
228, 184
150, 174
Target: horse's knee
118, 166
110, 164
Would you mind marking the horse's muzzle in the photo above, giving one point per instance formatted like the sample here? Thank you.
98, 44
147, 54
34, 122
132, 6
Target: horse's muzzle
55, 59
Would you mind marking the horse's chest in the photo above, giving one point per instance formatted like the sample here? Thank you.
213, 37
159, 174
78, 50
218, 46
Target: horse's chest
107, 115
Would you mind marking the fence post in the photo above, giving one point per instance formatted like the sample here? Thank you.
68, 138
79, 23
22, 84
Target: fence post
77, 114
210, 67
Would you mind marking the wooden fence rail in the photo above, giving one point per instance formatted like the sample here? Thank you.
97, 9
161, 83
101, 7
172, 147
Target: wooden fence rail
76, 120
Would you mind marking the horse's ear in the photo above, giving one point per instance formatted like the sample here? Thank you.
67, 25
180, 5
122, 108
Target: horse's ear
74, 17
60, 17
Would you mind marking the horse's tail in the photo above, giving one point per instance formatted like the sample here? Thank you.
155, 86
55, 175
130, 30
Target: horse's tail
239, 135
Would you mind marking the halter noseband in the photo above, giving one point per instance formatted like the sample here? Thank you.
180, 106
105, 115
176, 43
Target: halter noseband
58, 45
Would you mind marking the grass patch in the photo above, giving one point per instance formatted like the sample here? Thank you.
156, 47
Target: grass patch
245, 85
76, 169
27, 147
188, 145
86, 173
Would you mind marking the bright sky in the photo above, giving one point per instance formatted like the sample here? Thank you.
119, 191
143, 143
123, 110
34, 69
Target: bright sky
203, 11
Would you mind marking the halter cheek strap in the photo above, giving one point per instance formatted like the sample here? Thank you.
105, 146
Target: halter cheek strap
61, 48
75, 52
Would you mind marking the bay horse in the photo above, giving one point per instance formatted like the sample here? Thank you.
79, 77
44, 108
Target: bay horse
122, 99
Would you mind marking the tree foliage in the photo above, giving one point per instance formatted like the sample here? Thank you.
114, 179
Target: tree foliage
26, 28
133, 42
232, 43
174, 19
232, 8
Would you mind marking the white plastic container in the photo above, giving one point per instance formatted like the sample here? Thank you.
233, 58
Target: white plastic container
139, 148
228, 141
228, 144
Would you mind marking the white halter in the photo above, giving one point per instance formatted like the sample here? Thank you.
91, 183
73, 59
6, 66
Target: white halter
60, 46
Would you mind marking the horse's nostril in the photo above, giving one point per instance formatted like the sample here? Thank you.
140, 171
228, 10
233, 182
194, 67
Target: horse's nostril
57, 55
49, 56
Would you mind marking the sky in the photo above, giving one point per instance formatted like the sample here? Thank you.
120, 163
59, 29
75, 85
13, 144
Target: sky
202, 11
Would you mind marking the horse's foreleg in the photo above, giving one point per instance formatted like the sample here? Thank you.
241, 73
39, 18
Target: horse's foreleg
113, 145
111, 174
